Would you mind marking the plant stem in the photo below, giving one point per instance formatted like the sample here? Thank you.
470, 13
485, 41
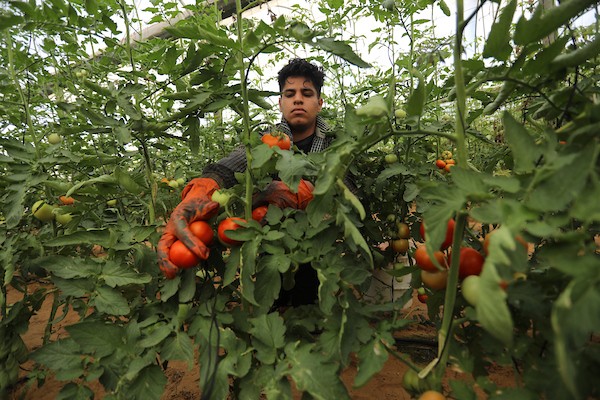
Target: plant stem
459, 80
245, 110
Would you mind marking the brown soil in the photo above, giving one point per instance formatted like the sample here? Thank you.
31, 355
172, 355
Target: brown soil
416, 342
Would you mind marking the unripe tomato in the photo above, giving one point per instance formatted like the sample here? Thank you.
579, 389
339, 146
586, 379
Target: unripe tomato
403, 230
258, 214
277, 139
43, 211
221, 197
448, 167
229, 224
434, 280
450, 161
449, 233
64, 219
181, 256
424, 261
54, 138
173, 183
446, 154
391, 158
400, 113
470, 262
111, 202
203, 231
400, 246
440, 164
470, 289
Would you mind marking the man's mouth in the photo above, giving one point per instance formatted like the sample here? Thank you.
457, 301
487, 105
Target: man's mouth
298, 110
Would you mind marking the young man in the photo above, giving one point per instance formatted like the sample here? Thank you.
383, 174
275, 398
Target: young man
300, 83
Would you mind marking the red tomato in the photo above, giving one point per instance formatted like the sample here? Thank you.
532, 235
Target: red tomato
67, 201
258, 214
449, 233
181, 256
440, 164
278, 139
203, 231
422, 298
470, 262
229, 224
424, 261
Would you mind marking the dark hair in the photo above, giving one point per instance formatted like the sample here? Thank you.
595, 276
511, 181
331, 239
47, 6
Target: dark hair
301, 67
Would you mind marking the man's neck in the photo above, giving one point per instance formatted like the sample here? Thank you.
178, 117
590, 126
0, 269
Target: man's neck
299, 134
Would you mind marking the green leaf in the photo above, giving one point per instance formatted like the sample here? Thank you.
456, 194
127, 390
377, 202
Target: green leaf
92, 236
110, 179
149, 384
8, 20
155, 334
127, 182
342, 49
564, 183
73, 391
179, 347
416, 100
115, 274
268, 335
97, 338
69, 267
313, 374
62, 355
543, 23
74, 287
525, 152
492, 310
372, 356
110, 301
497, 44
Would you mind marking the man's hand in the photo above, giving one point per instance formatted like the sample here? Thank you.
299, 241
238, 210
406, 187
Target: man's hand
279, 194
196, 204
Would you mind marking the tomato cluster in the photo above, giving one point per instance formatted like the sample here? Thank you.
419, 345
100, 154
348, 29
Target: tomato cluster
434, 271
277, 139
446, 162
399, 242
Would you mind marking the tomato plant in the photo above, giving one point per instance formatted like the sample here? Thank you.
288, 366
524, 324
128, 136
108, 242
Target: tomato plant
277, 139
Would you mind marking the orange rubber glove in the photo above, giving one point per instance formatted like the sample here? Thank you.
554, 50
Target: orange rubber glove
196, 204
279, 194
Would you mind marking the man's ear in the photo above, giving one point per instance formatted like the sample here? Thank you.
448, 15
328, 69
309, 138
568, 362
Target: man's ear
320, 102
280, 104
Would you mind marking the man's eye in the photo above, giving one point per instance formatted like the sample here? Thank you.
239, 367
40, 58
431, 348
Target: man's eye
308, 93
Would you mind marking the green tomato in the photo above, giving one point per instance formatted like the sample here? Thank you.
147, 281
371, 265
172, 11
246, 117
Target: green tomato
470, 289
391, 158
221, 197
54, 138
64, 219
42, 211
400, 113
111, 203
173, 183
180, 181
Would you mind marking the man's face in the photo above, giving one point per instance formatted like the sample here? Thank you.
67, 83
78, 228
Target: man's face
299, 103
